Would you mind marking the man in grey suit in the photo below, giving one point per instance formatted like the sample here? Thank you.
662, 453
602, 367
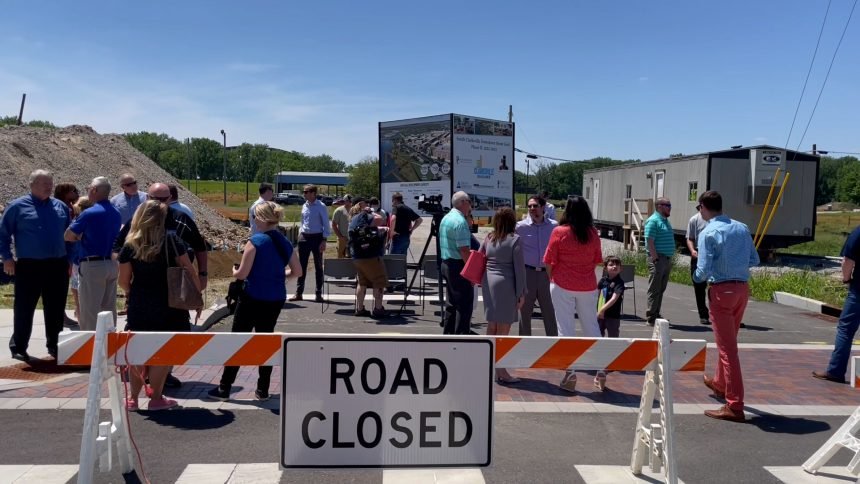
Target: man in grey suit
534, 232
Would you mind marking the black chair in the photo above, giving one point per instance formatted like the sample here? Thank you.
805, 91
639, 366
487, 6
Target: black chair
628, 275
338, 272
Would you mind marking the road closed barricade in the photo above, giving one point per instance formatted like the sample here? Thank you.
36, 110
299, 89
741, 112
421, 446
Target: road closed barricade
382, 401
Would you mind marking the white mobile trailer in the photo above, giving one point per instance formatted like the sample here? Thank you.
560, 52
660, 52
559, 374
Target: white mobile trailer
742, 176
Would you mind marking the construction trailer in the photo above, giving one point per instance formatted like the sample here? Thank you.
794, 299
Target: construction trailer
621, 197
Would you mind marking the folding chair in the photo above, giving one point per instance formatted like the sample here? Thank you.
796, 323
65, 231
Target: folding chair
628, 275
338, 272
429, 277
395, 268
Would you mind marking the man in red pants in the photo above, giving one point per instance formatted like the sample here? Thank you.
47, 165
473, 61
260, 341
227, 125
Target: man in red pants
726, 253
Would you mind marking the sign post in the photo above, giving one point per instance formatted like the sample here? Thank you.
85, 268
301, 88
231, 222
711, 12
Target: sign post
389, 402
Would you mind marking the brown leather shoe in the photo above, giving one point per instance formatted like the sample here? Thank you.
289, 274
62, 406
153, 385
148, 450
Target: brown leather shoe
726, 413
709, 382
823, 375
295, 297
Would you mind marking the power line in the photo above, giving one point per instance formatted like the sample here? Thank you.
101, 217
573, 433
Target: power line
831, 152
832, 59
808, 72
548, 157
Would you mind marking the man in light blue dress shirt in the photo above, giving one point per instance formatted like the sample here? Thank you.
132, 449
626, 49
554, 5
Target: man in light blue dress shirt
534, 232
313, 233
726, 253
130, 198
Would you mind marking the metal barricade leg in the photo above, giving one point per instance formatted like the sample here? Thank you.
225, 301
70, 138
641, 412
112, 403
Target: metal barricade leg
656, 441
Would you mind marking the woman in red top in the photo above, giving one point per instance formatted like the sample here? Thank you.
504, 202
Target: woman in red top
570, 258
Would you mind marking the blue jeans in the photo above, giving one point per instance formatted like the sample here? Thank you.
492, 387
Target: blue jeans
400, 244
849, 321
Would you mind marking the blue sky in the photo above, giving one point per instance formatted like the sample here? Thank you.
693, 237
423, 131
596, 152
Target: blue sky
622, 79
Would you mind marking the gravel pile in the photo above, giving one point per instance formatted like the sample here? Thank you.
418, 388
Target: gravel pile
77, 154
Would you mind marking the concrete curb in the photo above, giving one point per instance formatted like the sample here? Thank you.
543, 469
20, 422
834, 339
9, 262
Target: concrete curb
805, 303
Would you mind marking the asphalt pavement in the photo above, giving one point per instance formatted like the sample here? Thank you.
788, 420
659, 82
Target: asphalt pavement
527, 447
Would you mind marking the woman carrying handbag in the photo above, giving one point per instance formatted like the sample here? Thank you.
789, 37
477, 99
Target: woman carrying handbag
143, 266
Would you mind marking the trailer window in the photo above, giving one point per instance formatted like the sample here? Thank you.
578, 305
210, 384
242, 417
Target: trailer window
588, 192
693, 193
628, 191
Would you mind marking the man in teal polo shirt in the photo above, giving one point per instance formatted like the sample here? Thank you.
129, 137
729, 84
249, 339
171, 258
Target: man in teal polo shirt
660, 242
454, 245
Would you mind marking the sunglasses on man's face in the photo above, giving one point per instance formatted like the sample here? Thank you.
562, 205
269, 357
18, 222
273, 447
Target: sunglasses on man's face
129, 184
667, 205
308, 191
534, 206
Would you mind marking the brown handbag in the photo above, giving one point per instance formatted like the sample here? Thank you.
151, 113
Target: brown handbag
181, 291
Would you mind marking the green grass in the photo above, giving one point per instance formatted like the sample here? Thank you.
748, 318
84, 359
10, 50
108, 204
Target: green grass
762, 285
830, 233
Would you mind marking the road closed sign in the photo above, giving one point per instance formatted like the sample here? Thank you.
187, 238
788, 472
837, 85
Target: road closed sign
392, 402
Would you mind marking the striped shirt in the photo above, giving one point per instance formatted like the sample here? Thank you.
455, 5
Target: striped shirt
726, 252
657, 227
453, 234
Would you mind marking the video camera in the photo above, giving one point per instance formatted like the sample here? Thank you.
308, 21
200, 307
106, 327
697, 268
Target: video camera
431, 204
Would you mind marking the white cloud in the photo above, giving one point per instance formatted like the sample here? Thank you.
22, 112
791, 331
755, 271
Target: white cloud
760, 139
643, 78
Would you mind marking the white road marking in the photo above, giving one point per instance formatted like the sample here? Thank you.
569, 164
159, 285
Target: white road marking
616, 475
825, 475
37, 474
432, 476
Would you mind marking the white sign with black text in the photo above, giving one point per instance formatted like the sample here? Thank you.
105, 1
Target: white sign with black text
366, 401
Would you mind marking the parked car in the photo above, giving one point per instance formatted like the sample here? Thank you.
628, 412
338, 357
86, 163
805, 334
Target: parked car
289, 199
327, 200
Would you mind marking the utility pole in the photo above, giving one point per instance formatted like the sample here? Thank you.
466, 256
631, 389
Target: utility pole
814, 149
21, 111
224, 172
510, 113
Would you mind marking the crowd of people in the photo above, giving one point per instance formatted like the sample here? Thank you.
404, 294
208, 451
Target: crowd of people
96, 243
554, 263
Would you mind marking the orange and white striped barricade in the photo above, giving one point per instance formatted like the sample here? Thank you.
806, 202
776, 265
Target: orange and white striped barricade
848, 435
659, 357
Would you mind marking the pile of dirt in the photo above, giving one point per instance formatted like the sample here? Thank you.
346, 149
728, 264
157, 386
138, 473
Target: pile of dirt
77, 154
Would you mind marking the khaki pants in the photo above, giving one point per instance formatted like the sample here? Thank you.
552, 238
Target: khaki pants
97, 291
342, 248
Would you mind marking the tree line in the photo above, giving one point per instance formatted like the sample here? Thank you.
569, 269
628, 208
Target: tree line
204, 158
838, 178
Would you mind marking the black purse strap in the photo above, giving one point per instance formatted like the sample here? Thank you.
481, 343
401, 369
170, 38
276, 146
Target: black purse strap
279, 248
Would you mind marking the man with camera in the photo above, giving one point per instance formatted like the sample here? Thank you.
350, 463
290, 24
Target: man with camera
367, 235
454, 245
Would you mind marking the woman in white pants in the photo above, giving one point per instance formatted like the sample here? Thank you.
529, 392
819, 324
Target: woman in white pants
570, 258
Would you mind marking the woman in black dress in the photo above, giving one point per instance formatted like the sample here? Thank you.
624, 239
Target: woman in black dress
148, 251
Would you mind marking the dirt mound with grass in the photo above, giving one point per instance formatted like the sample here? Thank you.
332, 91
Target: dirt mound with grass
77, 154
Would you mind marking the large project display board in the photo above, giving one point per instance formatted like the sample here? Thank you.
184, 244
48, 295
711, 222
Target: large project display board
415, 159
439, 155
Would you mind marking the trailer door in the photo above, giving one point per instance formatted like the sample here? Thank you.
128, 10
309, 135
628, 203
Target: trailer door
596, 195
659, 179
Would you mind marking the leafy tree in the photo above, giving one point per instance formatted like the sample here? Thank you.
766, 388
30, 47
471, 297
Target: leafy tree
848, 186
364, 177
828, 177
36, 123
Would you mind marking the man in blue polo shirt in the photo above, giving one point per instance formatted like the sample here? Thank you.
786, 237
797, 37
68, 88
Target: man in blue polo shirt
36, 223
97, 228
